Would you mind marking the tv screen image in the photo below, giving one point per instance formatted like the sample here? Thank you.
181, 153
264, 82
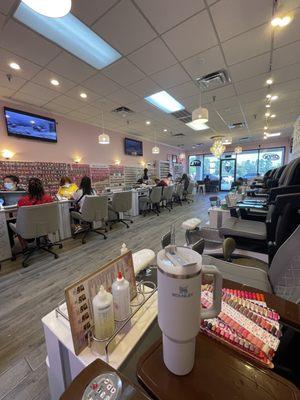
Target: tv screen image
133, 147
30, 126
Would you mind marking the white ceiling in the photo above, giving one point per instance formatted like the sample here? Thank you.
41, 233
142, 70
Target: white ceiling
165, 45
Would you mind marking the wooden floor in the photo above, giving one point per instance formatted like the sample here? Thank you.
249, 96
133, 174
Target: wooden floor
26, 295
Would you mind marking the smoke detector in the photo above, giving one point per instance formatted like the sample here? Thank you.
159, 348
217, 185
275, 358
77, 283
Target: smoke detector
214, 80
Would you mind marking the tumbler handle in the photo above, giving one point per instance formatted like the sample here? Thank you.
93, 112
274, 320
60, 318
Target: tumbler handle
215, 309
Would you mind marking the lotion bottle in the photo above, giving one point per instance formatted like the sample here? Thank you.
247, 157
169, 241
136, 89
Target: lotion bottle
121, 297
124, 249
103, 314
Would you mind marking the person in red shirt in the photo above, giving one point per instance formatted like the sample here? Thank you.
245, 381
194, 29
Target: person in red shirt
160, 182
36, 194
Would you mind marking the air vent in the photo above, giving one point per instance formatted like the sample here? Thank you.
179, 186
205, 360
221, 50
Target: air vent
214, 80
237, 125
244, 139
122, 110
184, 116
178, 134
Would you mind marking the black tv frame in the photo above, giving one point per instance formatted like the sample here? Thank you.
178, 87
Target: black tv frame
31, 115
137, 141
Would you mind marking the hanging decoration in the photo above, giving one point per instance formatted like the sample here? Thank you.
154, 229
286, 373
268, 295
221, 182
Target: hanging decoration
218, 148
103, 138
155, 150
238, 149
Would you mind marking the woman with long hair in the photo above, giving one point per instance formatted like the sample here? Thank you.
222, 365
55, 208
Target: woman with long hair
36, 194
85, 189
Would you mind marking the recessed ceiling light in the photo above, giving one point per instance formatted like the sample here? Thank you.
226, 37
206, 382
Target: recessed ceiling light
273, 134
269, 81
54, 82
50, 8
268, 96
265, 128
165, 102
274, 97
83, 95
273, 115
14, 65
148, 122
267, 114
281, 22
165, 130
69, 33
197, 126
268, 105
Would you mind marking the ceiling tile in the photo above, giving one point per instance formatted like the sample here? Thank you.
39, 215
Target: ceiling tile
287, 73
163, 15
204, 63
26, 43
90, 110
6, 6
123, 97
28, 99
101, 84
77, 115
6, 92
254, 83
184, 90
289, 34
286, 55
232, 17
34, 90
66, 101
184, 41
2, 20
15, 83
140, 106
153, 57
71, 67
95, 9
57, 108
248, 69
105, 104
145, 87
44, 77
123, 72
221, 93
28, 69
247, 45
76, 91
171, 76
124, 28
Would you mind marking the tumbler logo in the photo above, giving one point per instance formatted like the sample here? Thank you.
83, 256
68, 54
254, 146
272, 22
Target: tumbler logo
183, 292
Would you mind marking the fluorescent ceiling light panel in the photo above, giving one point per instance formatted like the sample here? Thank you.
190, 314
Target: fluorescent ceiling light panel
197, 126
70, 34
272, 134
165, 102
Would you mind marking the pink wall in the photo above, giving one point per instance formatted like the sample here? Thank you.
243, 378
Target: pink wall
75, 139
284, 142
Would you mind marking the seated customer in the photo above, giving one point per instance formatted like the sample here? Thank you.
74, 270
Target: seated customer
159, 182
66, 188
85, 188
11, 183
36, 194
186, 181
206, 180
168, 179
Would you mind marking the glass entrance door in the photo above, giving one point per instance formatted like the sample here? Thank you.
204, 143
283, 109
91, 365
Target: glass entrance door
227, 173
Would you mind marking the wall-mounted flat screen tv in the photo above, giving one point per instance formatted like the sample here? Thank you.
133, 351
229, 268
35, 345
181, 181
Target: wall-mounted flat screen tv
30, 126
133, 147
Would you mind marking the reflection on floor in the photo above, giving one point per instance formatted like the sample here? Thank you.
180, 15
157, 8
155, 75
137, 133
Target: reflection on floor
28, 294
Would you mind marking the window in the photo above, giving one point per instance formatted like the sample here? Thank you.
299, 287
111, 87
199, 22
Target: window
194, 171
246, 164
211, 167
270, 159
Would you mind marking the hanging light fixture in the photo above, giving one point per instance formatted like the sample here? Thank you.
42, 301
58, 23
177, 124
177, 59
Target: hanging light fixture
200, 115
50, 8
155, 149
238, 149
218, 148
103, 138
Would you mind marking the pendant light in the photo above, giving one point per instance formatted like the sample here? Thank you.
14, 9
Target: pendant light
200, 115
238, 149
50, 8
155, 149
218, 148
103, 138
